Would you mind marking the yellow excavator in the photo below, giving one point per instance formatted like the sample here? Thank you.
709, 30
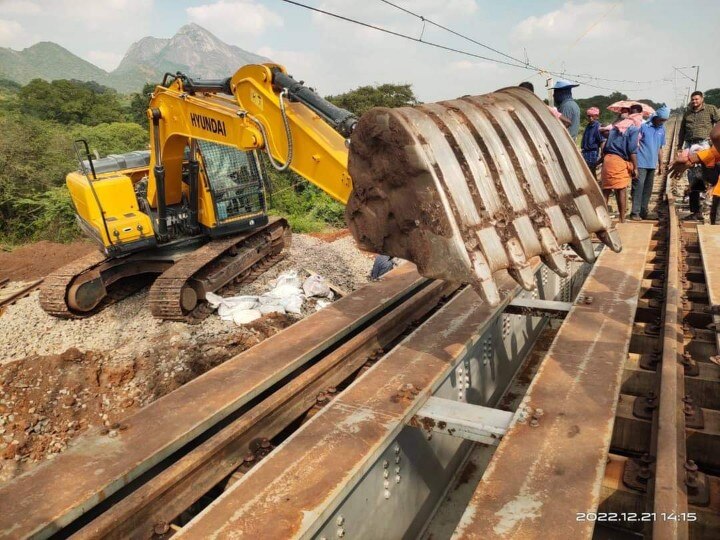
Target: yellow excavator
463, 188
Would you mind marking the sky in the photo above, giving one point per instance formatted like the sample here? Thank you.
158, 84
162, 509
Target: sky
630, 46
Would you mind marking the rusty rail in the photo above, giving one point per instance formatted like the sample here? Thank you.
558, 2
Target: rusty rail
547, 471
152, 506
339, 445
7, 300
168, 424
668, 434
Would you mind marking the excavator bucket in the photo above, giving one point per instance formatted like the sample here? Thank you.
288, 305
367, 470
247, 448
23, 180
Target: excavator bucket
468, 187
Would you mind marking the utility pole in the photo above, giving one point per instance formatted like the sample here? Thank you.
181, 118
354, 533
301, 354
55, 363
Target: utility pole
697, 74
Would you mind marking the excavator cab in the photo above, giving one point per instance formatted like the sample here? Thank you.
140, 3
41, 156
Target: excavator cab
235, 184
110, 196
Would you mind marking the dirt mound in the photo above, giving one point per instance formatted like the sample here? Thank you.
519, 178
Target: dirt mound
37, 260
331, 236
46, 401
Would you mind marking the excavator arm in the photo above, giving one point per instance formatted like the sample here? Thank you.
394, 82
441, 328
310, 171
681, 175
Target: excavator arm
260, 107
463, 188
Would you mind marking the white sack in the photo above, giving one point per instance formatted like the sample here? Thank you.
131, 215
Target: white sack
246, 316
316, 285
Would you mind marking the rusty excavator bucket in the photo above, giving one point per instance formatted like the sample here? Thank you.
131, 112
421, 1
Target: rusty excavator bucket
468, 187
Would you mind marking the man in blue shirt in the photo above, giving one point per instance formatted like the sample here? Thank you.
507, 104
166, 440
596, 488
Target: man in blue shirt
649, 158
567, 106
620, 164
592, 140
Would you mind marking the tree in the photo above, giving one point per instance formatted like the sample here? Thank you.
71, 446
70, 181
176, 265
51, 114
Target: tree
712, 97
362, 99
114, 138
70, 102
139, 105
602, 103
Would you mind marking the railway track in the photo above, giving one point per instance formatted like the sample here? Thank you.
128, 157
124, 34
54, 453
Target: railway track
373, 406
9, 295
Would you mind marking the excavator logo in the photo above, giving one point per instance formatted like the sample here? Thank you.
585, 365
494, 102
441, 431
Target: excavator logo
208, 124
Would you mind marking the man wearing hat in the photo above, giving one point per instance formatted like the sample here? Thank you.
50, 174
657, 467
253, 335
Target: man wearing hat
592, 139
568, 107
649, 159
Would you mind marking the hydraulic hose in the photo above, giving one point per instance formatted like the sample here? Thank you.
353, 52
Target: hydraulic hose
278, 166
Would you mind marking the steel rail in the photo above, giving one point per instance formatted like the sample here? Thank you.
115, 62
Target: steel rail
152, 506
548, 469
7, 300
668, 434
98, 465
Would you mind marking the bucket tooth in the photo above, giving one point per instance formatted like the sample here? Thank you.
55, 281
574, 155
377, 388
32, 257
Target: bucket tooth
556, 262
584, 248
524, 276
488, 291
552, 254
611, 238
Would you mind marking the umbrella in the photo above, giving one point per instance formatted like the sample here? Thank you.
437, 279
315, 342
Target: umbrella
619, 105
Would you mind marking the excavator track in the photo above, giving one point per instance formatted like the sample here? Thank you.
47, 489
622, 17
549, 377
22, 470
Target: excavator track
53, 293
177, 292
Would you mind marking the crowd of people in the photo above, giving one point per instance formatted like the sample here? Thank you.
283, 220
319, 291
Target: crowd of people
629, 150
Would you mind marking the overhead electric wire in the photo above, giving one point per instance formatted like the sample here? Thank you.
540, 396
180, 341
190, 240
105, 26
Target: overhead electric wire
521, 65
524, 63
398, 34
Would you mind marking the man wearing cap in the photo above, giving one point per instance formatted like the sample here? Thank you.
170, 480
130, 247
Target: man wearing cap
568, 107
649, 159
592, 140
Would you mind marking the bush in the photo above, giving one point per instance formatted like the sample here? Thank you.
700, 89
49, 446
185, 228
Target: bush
306, 207
49, 215
114, 138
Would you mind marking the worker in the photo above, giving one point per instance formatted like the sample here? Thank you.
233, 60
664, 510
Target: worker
695, 126
382, 265
567, 106
565, 121
710, 158
697, 121
649, 157
592, 140
620, 164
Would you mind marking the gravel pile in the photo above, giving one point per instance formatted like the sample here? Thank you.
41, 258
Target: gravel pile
128, 327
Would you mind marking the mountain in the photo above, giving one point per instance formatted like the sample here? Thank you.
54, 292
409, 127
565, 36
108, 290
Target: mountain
47, 60
192, 50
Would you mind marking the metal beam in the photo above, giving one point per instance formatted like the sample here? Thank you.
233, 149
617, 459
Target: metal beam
539, 308
465, 420
550, 467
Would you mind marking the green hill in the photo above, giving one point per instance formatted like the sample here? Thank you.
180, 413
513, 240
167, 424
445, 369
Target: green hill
49, 61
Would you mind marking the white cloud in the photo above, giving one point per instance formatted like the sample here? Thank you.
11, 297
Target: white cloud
11, 34
588, 21
95, 15
230, 20
19, 7
105, 59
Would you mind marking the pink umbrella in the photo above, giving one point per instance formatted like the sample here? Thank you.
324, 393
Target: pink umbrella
619, 105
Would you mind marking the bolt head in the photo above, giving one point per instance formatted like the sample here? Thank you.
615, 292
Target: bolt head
340, 520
